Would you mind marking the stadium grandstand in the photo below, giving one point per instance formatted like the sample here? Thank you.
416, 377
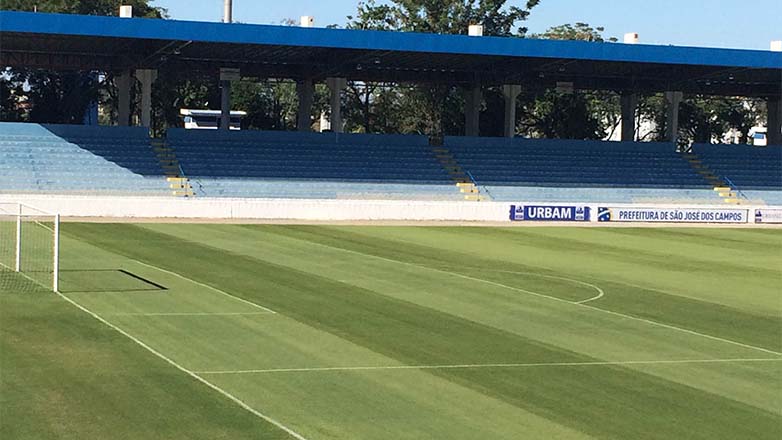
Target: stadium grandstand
205, 281
55, 159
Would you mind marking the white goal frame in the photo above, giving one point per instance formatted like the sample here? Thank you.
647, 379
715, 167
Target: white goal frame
22, 211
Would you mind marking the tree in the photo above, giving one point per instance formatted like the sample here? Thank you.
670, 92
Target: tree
38, 95
578, 31
580, 114
434, 109
141, 8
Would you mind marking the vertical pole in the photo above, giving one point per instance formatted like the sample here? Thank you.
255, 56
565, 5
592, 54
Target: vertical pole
336, 85
225, 105
672, 118
511, 92
56, 265
225, 86
146, 77
18, 266
227, 11
123, 98
629, 105
305, 89
774, 122
472, 108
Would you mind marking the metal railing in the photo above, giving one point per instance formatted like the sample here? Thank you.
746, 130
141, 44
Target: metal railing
734, 187
475, 182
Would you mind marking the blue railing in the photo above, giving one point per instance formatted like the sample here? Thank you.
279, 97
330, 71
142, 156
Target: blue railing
734, 187
474, 182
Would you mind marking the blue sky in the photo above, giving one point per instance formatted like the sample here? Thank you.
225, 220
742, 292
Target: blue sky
731, 23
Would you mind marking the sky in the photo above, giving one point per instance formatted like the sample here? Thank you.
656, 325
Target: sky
745, 24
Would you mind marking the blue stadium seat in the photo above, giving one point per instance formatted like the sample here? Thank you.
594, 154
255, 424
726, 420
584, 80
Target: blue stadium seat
310, 165
580, 171
747, 167
49, 158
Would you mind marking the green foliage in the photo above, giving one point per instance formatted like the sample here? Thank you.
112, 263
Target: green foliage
141, 8
442, 16
578, 31
704, 119
176, 89
437, 108
564, 115
36, 95
578, 115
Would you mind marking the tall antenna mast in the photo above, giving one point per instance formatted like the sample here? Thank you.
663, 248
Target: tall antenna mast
227, 11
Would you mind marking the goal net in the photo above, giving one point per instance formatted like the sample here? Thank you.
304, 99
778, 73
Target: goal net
29, 249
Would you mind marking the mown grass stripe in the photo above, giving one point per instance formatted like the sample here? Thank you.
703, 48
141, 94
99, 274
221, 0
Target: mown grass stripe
588, 400
179, 367
769, 328
474, 366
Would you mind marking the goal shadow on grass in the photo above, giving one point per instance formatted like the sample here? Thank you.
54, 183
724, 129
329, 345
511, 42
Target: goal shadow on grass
106, 281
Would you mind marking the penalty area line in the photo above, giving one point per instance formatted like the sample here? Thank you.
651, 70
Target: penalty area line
476, 366
190, 373
215, 289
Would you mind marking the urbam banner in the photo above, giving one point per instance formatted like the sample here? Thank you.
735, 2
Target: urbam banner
549, 213
672, 215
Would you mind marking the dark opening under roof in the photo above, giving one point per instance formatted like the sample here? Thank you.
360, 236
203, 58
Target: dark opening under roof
58, 41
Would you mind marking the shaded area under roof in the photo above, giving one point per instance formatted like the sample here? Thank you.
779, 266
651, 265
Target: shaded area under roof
59, 41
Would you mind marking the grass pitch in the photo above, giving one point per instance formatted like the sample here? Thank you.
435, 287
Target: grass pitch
314, 332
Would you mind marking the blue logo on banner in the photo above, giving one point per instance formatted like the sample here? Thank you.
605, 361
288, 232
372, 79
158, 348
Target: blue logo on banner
603, 214
550, 213
758, 216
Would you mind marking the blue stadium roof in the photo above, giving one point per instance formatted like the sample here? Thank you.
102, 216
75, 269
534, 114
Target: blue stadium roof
74, 41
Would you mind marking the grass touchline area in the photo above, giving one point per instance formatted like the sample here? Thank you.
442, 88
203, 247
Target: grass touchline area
201, 331
190, 373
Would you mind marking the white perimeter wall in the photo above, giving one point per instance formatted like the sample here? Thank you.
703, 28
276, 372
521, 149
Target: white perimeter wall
293, 209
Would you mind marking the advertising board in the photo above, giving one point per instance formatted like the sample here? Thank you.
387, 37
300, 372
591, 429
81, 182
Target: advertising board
671, 215
549, 213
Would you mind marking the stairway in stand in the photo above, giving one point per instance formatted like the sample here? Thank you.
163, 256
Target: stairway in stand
463, 182
721, 187
179, 184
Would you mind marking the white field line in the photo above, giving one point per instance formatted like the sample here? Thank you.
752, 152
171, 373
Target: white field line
188, 314
554, 298
477, 366
208, 287
192, 374
599, 295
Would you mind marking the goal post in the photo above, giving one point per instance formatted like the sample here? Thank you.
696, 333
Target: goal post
29, 248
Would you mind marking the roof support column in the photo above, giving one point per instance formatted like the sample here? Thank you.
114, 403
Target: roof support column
774, 125
123, 81
510, 92
336, 85
305, 89
472, 110
146, 77
629, 104
673, 99
225, 105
